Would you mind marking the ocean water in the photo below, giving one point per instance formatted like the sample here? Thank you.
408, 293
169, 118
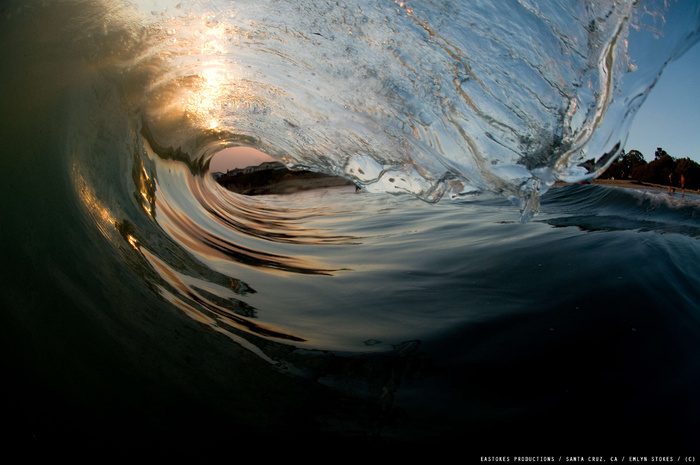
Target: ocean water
459, 300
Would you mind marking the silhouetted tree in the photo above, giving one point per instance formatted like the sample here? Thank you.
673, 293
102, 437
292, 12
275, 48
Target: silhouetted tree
656, 171
660, 153
632, 165
622, 169
690, 170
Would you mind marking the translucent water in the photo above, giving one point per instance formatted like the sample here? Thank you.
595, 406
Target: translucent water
143, 302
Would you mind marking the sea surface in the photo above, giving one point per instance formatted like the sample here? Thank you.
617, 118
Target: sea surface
457, 301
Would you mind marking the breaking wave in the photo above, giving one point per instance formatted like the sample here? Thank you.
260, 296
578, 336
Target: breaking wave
127, 259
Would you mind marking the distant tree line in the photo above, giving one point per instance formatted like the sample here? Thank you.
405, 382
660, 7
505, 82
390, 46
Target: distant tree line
631, 165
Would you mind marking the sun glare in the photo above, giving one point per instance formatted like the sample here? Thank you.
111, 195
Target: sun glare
205, 100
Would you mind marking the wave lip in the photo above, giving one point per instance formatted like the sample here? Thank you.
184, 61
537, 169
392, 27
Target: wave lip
425, 98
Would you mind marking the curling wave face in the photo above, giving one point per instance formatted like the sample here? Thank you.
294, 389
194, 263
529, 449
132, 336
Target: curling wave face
428, 98
127, 259
425, 98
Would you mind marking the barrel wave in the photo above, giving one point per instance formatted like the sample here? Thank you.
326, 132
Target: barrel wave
455, 294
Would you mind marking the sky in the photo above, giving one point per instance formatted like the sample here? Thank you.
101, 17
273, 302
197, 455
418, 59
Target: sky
670, 116
237, 157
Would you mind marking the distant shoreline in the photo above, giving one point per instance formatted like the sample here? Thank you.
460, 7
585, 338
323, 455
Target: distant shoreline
627, 184
279, 181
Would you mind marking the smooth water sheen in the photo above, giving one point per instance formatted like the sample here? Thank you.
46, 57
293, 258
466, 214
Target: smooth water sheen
144, 304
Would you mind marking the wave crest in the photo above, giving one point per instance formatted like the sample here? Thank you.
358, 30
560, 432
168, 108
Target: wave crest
447, 97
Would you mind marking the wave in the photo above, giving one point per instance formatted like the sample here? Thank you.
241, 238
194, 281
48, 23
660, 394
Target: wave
430, 98
125, 256
123, 107
597, 208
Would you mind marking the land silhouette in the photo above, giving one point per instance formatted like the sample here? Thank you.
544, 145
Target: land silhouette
663, 172
630, 170
270, 178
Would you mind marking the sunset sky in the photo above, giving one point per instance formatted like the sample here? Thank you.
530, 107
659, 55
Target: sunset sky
237, 157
